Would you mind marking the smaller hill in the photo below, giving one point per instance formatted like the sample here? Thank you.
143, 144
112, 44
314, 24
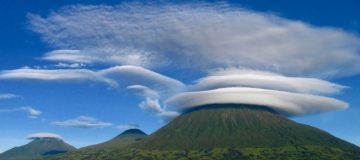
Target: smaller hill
100, 151
37, 148
129, 136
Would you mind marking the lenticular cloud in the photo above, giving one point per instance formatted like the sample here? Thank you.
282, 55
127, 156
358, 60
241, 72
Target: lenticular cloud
265, 80
290, 96
290, 104
44, 135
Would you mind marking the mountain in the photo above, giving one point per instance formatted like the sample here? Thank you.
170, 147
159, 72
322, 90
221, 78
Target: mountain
129, 136
232, 131
234, 125
37, 148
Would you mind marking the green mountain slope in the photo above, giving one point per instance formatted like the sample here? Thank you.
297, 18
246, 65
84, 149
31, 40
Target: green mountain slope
230, 131
37, 148
243, 126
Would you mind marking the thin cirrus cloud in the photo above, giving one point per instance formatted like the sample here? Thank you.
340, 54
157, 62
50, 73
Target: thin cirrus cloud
67, 56
82, 122
4, 96
287, 103
44, 135
180, 35
77, 56
30, 111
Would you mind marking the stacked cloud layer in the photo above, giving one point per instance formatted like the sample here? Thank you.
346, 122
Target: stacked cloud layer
291, 96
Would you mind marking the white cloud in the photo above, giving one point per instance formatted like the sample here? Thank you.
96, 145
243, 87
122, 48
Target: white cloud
82, 122
33, 113
44, 135
197, 36
8, 96
151, 104
148, 84
67, 56
287, 103
30, 111
128, 126
155, 88
77, 56
155, 106
52, 75
115, 76
143, 91
265, 80
133, 75
67, 65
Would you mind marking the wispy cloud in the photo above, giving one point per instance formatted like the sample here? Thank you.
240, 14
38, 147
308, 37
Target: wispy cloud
67, 56
82, 122
115, 76
197, 36
69, 65
155, 106
30, 111
143, 91
8, 96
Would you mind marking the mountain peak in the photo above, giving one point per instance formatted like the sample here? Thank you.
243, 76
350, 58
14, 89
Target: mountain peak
127, 137
133, 131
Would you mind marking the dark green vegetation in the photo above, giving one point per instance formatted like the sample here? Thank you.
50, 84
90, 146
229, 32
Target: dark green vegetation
229, 132
37, 148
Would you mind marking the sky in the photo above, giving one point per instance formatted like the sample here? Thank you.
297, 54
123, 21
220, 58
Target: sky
87, 70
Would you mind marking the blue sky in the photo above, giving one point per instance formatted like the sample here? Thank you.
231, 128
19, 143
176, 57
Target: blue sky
87, 108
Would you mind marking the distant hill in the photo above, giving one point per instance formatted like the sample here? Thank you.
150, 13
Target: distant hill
129, 136
37, 148
232, 131
124, 139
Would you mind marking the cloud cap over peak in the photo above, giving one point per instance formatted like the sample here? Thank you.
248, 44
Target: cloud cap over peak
44, 135
287, 103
